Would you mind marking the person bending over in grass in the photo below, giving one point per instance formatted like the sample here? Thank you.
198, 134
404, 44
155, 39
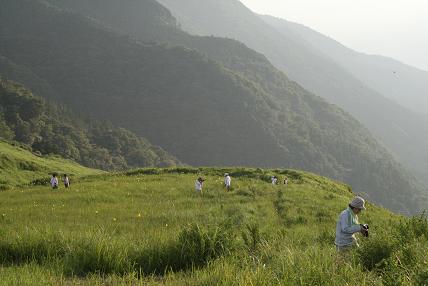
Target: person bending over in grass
347, 225
54, 181
199, 184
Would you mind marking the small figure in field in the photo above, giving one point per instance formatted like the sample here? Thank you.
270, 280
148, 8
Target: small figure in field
227, 181
286, 181
66, 181
199, 184
274, 180
54, 181
347, 225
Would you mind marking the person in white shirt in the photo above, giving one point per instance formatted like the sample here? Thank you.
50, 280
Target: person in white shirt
54, 181
199, 184
227, 181
66, 181
347, 225
274, 180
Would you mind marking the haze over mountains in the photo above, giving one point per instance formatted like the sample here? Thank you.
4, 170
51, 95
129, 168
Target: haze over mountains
402, 83
205, 100
403, 132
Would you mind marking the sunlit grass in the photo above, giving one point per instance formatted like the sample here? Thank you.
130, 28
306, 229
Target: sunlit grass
133, 229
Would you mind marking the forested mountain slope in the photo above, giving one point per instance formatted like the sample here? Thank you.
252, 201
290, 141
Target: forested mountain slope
402, 131
53, 129
406, 85
197, 108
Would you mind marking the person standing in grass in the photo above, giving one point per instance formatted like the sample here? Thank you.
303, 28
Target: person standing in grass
286, 181
227, 181
54, 182
66, 181
347, 226
274, 180
199, 184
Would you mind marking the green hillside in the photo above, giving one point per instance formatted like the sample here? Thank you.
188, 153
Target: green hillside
360, 88
50, 128
227, 104
20, 166
149, 227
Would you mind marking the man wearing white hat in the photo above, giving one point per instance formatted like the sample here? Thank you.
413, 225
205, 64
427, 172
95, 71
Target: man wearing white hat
347, 225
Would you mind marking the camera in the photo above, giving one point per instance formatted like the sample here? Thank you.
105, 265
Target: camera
365, 230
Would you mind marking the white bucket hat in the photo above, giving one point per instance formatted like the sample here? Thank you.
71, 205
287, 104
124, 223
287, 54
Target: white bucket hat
358, 202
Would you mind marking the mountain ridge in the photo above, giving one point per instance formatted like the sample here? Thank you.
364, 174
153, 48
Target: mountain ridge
401, 82
317, 72
409, 148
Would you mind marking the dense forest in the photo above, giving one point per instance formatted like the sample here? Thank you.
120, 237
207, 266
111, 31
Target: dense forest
53, 129
207, 101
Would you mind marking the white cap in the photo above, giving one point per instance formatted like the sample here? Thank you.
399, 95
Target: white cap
358, 202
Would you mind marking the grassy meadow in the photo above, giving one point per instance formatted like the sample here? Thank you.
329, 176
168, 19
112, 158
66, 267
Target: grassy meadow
149, 227
19, 166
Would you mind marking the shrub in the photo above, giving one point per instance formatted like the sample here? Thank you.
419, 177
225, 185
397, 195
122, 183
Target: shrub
374, 252
147, 171
195, 247
157, 259
198, 246
97, 255
31, 248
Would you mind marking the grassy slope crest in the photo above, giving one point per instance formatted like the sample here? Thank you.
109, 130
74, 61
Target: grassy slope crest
20, 166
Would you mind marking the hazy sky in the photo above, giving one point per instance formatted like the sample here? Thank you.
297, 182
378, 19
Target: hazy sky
395, 28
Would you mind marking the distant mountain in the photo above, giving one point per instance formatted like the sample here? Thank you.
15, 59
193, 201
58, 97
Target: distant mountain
221, 104
51, 129
403, 132
402, 83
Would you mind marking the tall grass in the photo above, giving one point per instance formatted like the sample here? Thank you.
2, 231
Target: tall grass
149, 227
